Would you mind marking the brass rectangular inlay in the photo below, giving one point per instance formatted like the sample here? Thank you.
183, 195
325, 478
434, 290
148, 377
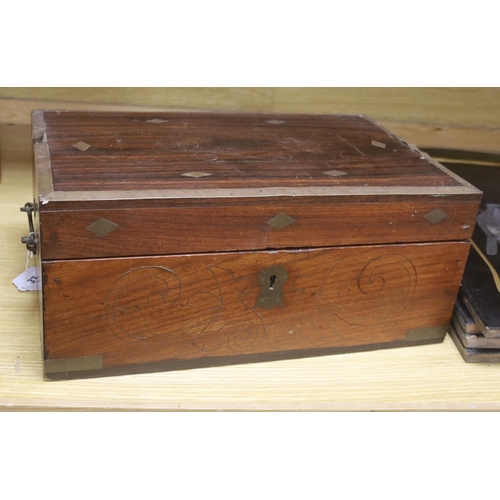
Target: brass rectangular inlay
429, 333
84, 363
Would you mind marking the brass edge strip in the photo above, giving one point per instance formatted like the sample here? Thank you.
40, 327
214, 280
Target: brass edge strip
43, 169
248, 192
496, 277
428, 333
41, 154
73, 364
37, 124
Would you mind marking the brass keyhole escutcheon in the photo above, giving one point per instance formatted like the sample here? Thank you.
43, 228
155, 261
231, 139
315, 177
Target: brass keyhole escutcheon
271, 281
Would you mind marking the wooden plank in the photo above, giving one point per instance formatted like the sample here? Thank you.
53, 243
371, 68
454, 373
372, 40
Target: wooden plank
472, 355
424, 134
447, 136
464, 318
464, 106
223, 98
473, 341
18, 111
227, 226
228, 151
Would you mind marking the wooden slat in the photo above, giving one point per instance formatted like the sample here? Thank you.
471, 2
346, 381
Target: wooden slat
240, 98
424, 134
464, 106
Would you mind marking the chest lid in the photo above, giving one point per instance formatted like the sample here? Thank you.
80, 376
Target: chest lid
203, 182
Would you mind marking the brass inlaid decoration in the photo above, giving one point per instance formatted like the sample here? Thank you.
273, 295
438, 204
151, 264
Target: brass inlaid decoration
157, 120
73, 364
82, 146
429, 333
102, 227
436, 216
197, 175
281, 221
271, 281
276, 306
335, 173
377, 144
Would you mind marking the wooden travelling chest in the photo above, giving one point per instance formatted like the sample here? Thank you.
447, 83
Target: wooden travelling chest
176, 240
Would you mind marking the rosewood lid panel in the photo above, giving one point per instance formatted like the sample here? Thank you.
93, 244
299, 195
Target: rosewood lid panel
98, 151
210, 182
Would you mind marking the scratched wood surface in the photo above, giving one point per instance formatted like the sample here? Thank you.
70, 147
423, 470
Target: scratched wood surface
164, 151
432, 377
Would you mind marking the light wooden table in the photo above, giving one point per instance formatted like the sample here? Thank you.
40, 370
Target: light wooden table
413, 378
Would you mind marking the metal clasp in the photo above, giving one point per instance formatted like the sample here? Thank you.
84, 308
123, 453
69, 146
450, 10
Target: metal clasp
30, 241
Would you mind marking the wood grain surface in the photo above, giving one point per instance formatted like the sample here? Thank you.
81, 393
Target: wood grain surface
166, 227
432, 377
228, 151
464, 106
236, 153
150, 309
425, 134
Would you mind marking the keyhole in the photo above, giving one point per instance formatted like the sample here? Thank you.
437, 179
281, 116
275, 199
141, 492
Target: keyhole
271, 282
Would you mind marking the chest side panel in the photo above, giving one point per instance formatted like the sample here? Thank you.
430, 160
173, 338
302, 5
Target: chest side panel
217, 308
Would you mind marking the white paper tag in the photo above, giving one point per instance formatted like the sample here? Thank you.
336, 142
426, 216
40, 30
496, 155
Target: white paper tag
28, 281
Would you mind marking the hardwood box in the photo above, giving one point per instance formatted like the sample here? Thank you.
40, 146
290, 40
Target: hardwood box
177, 240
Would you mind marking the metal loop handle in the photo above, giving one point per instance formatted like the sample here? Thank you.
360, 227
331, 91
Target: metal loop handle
30, 241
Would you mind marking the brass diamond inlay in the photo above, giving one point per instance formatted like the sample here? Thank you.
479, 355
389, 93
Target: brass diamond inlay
102, 227
196, 174
436, 216
335, 173
82, 146
281, 221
